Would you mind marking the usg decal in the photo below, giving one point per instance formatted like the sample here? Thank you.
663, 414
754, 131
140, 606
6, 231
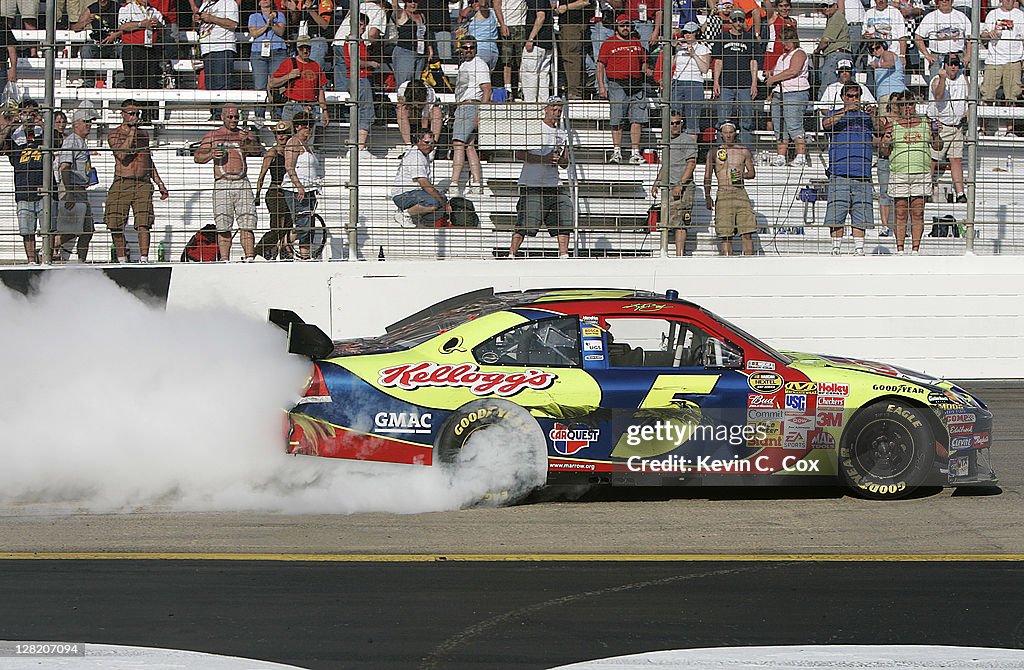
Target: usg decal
417, 375
796, 402
568, 441
402, 422
764, 382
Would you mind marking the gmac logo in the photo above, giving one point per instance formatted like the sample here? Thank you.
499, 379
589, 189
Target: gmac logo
568, 441
402, 422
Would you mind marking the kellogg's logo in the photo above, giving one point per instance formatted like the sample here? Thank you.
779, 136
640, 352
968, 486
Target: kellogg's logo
568, 441
415, 375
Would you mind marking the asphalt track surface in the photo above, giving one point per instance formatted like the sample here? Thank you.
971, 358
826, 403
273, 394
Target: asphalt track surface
541, 584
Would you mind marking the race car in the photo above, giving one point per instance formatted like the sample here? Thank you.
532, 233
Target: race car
626, 387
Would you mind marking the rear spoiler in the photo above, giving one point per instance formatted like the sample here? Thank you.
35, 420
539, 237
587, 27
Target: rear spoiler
304, 338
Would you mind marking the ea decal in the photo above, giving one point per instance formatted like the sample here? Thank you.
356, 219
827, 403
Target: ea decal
568, 441
764, 382
416, 375
402, 422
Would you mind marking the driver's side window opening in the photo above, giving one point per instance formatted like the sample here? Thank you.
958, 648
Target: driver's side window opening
548, 343
653, 342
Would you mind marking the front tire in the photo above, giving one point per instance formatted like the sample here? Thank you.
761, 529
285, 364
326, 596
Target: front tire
887, 451
494, 450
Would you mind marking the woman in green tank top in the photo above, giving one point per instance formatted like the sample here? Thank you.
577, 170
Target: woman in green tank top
908, 141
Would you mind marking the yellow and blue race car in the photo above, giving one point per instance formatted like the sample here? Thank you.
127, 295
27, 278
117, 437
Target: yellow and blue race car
629, 387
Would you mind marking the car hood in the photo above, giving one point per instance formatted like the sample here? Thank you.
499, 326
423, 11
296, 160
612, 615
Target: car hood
801, 359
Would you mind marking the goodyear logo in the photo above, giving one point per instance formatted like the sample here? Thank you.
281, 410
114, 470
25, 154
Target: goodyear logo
801, 387
764, 382
568, 441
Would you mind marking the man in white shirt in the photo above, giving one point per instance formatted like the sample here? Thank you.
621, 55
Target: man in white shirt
886, 24
542, 199
216, 23
832, 97
1003, 32
945, 30
414, 192
947, 105
472, 88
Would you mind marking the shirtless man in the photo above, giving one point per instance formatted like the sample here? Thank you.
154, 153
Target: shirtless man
734, 214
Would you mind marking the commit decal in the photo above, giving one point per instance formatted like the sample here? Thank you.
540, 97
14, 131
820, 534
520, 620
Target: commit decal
468, 375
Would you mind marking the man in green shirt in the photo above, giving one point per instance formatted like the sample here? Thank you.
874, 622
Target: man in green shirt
834, 44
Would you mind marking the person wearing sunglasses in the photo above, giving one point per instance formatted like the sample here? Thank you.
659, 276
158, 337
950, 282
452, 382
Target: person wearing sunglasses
888, 75
132, 188
790, 87
832, 99
304, 81
852, 138
947, 105
273, 244
472, 88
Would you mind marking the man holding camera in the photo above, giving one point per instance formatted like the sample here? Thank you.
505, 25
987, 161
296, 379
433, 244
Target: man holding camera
947, 104
21, 140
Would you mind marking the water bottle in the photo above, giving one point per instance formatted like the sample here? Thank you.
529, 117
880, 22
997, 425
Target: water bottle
161, 253
1009, 163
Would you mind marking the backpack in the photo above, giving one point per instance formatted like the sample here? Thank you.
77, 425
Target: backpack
276, 96
202, 248
463, 213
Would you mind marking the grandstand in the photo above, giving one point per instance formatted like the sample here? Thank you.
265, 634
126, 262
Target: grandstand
613, 200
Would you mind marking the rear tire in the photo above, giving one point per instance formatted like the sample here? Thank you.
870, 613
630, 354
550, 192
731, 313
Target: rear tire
887, 451
495, 449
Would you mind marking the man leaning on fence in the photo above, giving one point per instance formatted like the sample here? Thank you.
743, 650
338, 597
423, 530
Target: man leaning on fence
74, 218
132, 188
233, 202
542, 198
852, 140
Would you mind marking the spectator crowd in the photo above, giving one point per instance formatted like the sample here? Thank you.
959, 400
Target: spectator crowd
726, 62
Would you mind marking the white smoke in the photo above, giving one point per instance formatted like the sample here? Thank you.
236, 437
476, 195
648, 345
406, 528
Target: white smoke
108, 404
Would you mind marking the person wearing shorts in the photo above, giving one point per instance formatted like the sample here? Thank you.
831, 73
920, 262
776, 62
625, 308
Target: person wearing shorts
74, 217
732, 165
621, 71
473, 87
29, 10
543, 201
681, 163
414, 192
947, 104
233, 201
851, 142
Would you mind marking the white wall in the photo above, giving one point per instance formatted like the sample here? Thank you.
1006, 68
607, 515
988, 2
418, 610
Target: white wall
959, 317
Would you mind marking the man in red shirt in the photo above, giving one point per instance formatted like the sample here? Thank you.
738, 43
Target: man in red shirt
304, 81
623, 62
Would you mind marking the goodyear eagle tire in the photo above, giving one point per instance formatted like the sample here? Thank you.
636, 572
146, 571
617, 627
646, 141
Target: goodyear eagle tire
493, 449
887, 451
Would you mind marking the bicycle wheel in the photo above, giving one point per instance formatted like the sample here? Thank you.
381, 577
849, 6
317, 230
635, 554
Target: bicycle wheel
309, 242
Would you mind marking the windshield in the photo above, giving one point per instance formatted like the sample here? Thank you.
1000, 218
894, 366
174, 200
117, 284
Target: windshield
750, 338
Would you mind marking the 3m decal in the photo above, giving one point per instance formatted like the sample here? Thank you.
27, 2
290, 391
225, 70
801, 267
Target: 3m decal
800, 387
402, 422
417, 375
830, 419
764, 382
832, 388
760, 365
568, 441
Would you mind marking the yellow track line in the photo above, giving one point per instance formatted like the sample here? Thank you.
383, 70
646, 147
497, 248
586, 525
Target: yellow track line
483, 558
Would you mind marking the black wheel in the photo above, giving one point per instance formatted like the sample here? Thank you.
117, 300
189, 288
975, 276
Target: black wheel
309, 242
494, 452
887, 451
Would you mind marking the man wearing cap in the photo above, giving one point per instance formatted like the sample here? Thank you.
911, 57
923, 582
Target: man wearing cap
734, 71
542, 199
731, 165
233, 202
216, 22
834, 44
680, 166
21, 140
621, 78
74, 216
947, 105
414, 191
304, 83
692, 62
1003, 32
945, 29
832, 99
132, 188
